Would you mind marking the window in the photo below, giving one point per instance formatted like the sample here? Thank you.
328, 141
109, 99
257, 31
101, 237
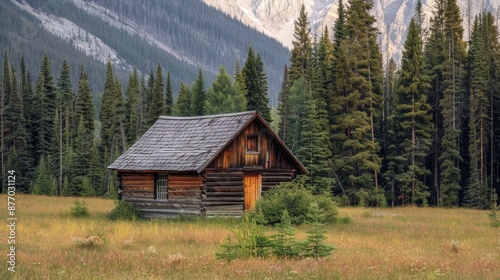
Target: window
161, 187
252, 143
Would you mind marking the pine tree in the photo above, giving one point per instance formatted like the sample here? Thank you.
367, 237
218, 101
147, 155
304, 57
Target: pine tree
239, 79
283, 243
313, 149
28, 108
42, 181
222, 97
108, 108
358, 90
297, 100
184, 101
256, 85
434, 56
95, 172
284, 107
302, 48
453, 69
483, 54
392, 132
199, 95
46, 104
169, 97
61, 130
414, 119
4, 103
157, 105
132, 108
316, 248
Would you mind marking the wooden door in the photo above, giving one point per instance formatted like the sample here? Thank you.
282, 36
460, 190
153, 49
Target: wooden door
253, 186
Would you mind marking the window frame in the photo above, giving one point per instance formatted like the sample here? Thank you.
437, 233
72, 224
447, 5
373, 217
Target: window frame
161, 191
257, 139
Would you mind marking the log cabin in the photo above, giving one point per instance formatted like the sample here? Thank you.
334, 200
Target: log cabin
206, 165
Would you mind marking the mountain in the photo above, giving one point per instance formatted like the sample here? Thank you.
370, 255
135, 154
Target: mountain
276, 17
182, 35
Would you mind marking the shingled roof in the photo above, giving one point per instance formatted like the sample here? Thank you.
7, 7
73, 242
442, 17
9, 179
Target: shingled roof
184, 143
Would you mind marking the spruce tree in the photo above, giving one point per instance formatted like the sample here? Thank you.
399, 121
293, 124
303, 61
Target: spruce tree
453, 70
108, 109
262, 92
313, 149
184, 101
284, 107
46, 102
28, 111
5, 98
239, 79
42, 180
302, 48
15, 134
169, 97
199, 95
61, 130
157, 105
256, 84
297, 100
95, 172
392, 132
132, 108
414, 119
222, 97
483, 55
357, 99
434, 56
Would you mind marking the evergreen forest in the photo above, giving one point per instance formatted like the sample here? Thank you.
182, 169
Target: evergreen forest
422, 131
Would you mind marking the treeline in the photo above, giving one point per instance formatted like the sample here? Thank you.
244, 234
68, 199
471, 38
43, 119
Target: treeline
426, 133
59, 144
204, 35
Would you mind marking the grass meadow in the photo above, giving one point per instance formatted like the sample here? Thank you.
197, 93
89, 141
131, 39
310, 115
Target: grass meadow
391, 243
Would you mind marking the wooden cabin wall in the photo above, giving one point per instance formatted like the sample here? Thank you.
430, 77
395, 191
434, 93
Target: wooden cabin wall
139, 185
184, 194
223, 193
235, 155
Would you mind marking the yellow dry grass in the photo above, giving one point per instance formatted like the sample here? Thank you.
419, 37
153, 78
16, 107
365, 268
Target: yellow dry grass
399, 243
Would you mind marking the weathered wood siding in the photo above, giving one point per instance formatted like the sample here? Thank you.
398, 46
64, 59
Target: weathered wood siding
184, 194
270, 156
140, 185
185, 187
223, 193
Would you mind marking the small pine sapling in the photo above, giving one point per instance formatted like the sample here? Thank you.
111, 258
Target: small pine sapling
79, 209
493, 214
251, 240
230, 250
283, 243
315, 246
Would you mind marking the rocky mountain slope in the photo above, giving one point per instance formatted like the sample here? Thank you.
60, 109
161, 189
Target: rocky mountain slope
275, 17
182, 35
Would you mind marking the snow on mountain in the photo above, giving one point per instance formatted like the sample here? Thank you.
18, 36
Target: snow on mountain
81, 39
276, 17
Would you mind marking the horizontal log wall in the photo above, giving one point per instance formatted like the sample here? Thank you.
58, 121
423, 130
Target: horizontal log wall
184, 194
140, 185
185, 187
223, 193
216, 192
275, 177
